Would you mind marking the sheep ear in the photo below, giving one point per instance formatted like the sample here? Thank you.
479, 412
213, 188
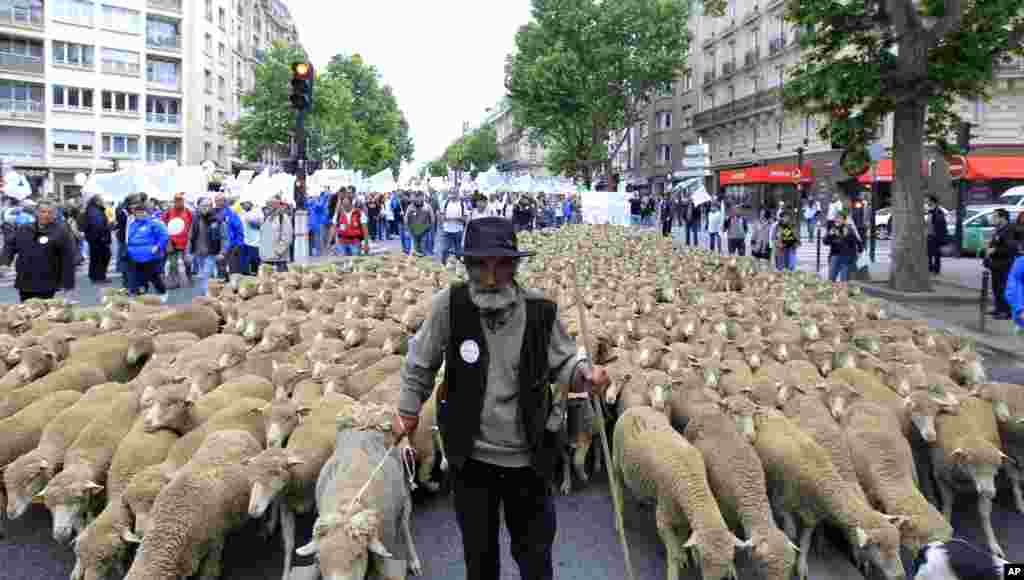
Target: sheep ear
44, 464
148, 392
303, 412
130, 537
378, 548
292, 461
860, 537
745, 544
42, 494
245, 461
959, 455
92, 487
266, 407
898, 521
691, 542
308, 550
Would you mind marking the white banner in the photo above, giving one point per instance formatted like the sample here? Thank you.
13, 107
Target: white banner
604, 207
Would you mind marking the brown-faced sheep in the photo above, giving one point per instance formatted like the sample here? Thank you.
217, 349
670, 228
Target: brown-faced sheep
72, 377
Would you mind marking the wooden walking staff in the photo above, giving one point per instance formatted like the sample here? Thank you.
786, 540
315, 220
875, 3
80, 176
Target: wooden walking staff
598, 405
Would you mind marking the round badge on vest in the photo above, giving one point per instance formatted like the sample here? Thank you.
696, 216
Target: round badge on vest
43, 240
470, 351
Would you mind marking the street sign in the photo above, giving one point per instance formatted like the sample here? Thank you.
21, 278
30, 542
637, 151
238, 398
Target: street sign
876, 152
696, 162
957, 166
702, 150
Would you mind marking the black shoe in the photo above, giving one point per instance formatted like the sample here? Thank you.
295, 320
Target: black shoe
1002, 316
994, 313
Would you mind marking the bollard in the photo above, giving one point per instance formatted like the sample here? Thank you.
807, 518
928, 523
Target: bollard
983, 299
818, 270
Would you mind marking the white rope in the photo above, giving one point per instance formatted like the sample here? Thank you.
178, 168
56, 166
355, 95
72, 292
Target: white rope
380, 465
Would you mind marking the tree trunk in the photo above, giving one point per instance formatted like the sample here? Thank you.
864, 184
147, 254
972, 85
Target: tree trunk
909, 257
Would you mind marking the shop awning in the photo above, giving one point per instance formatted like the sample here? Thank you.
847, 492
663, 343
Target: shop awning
767, 174
978, 169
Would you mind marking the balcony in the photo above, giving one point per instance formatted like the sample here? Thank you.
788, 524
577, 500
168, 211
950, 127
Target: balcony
22, 110
709, 76
740, 108
1010, 66
21, 64
160, 156
26, 14
776, 44
750, 58
165, 5
121, 68
21, 157
165, 85
163, 121
728, 67
166, 43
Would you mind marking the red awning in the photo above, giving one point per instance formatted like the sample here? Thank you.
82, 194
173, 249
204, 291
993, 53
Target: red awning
767, 174
978, 169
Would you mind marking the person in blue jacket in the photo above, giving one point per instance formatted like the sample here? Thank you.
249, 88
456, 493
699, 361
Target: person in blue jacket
1015, 291
233, 236
315, 209
146, 241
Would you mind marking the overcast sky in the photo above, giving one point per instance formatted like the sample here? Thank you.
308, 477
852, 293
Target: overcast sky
444, 59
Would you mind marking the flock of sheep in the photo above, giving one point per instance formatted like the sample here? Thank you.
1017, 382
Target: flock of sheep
745, 404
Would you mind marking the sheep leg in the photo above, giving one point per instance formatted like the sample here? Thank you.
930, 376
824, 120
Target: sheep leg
287, 536
789, 525
579, 459
1015, 475
806, 535
985, 512
269, 522
945, 493
415, 566
211, 568
674, 558
566, 486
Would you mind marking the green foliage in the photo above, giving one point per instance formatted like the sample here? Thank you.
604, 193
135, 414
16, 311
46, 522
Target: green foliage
437, 168
402, 145
481, 150
583, 70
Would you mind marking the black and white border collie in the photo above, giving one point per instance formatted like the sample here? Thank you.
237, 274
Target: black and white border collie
956, 560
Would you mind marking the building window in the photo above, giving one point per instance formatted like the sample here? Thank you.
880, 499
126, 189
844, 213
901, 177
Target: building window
207, 117
222, 52
161, 149
208, 81
209, 10
755, 84
21, 51
688, 80
709, 101
72, 141
643, 130
220, 154
121, 145
755, 42
73, 11
222, 88
664, 154
163, 111
161, 33
732, 93
207, 151
72, 98
122, 62
162, 72
222, 18
122, 19
72, 54
118, 102
220, 120
21, 96
663, 120
208, 44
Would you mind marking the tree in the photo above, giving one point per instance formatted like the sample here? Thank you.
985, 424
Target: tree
473, 153
438, 168
911, 58
584, 70
402, 145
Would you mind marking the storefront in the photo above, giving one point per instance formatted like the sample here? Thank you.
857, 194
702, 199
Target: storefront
753, 188
987, 176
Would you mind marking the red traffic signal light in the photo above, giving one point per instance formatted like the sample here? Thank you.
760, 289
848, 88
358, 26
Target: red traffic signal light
858, 204
302, 71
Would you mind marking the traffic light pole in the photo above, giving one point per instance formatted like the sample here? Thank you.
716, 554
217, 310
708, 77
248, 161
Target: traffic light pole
301, 220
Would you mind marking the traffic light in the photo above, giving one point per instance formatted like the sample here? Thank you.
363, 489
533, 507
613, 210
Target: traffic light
302, 86
289, 166
963, 137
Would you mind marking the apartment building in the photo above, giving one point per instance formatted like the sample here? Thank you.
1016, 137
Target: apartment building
85, 85
729, 98
516, 154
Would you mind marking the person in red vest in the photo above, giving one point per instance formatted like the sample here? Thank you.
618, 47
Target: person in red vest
178, 220
352, 235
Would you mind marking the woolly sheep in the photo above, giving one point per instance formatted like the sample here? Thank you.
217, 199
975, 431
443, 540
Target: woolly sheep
177, 408
21, 432
245, 414
883, 462
1008, 405
386, 393
119, 356
286, 377
33, 363
70, 495
349, 526
736, 476
100, 550
29, 474
968, 447
199, 320
803, 484
137, 451
658, 465
362, 382
206, 500
71, 377
288, 476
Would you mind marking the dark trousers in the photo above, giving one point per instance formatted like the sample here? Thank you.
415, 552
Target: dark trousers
934, 255
999, 278
145, 273
692, 233
738, 246
480, 490
666, 228
99, 260
23, 295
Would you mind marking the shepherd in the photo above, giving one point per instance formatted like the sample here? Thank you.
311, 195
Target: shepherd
501, 346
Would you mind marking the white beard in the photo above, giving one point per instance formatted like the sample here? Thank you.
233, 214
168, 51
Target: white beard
493, 301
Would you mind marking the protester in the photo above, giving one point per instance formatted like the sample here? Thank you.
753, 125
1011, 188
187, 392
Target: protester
736, 229
233, 237
667, 212
252, 221
844, 245
276, 235
178, 221
45, 255
419, 220
761, 239
146, 241
351, 221
98, 236
936, 234
485, 406
205, 242
810, 215
715, 228
999, 256
453, 218
788, 240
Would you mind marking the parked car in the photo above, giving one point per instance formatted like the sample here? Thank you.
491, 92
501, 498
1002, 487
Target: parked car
883, 221
978, 228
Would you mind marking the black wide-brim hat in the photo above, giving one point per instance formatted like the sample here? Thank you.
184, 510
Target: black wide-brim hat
491, 237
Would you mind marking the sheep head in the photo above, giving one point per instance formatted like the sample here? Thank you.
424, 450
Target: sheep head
397, 342
881, 545
967, 368
838, 396
282, 418
981, 460
233, 355
201, 376
270, 473
36, 361
343, 544
923, 405
742, 411
716, 551
70, 498
140, 495
24, 478
171, 407
773, 552
101, 551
